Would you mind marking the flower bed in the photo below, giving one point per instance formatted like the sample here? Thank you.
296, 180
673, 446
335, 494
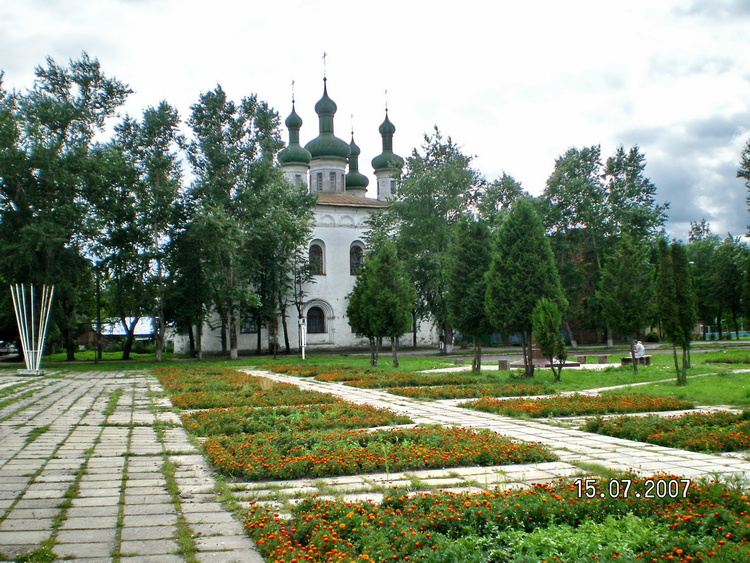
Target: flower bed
238, 420
215, 387
412, 380
350, 452
577, 405
469, 391
543, 523
698, 432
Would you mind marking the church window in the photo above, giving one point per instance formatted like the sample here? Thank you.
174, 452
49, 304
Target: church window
356, 257
248, 325
298, 179
393, 187
319, 178
316, 260
332, 177
316, 321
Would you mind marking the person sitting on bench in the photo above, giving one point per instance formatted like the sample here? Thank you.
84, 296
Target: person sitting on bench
640, 351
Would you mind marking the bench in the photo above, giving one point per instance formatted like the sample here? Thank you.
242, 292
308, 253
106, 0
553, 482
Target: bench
640, 360
594, 359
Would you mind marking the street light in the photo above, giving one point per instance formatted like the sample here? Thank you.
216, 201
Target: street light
98, 355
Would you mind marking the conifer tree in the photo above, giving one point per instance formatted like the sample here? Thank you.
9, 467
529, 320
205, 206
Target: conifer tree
469, 260
522, 271
626, 290
382, 299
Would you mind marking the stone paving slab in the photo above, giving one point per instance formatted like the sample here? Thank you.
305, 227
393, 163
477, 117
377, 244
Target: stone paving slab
113, 464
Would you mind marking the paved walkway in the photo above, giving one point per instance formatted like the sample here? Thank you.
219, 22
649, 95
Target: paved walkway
571, 445
96, 467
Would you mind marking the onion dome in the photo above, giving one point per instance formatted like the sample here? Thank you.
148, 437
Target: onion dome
326, 145
355, 180
294, 153
387, 160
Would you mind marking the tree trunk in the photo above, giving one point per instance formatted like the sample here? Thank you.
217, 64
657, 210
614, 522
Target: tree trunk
394, 351
476, 362
685, 365
414, 328
129, 336
191, 342
233, 346
573, 342
610, 340
528, 363
373, 351
199, 340
632, 354
676, 364
70, 349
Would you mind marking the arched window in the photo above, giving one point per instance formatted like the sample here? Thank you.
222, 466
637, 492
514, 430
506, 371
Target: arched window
356, 256
316, 259
316, 321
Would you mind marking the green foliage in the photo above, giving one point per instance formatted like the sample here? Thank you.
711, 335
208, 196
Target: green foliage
436, 189
46, 143
626, 290
522, 271
546, 319
468, 263
381, 302
587, 205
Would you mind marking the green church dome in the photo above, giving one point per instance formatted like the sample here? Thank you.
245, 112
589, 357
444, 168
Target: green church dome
387, 160
326, 144
355, 180
294, 153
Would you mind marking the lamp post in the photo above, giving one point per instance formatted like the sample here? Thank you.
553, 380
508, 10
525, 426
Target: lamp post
98, 355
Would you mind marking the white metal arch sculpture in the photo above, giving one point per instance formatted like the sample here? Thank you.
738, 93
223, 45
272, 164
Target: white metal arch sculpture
32, 316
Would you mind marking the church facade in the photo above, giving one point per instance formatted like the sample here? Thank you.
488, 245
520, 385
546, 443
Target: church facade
329, 167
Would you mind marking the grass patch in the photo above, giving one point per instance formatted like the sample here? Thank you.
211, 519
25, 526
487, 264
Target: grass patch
718, 388
35, 433
698, 432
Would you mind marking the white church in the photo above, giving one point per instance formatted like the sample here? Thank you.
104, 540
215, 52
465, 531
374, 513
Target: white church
337, 246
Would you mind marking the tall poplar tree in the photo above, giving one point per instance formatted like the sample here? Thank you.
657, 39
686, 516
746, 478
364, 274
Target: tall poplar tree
232, 155
46, 138
438, 186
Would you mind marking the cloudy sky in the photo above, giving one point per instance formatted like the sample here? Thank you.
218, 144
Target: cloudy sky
514, 83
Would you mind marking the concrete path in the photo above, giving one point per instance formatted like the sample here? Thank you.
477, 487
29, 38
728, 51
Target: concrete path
95, 467
570, 444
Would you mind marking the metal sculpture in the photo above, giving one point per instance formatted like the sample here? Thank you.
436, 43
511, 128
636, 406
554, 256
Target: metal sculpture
32, 316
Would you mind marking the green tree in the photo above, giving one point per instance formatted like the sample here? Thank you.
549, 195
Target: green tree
545, 320
702, 250
743, 171
151, 148
437, 188
232, 155
587, 205
522, 271
675, 301
469, 261
729, 263
626, 290
46, 138
382, 299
